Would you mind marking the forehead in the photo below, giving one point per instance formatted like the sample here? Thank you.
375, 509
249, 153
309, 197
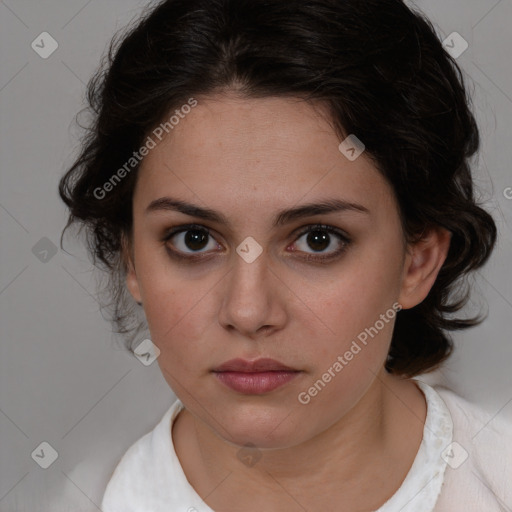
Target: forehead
262, 152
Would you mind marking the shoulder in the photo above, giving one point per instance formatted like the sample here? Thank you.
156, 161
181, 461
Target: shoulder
479, 460
472, 422
136, 483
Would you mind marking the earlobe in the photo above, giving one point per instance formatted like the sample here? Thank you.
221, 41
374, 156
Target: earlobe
422, 265
132, 282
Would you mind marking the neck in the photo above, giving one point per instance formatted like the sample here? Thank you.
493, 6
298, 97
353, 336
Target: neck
347, 459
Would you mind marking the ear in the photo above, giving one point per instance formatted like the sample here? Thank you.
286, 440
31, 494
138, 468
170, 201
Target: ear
423, 262
132, 283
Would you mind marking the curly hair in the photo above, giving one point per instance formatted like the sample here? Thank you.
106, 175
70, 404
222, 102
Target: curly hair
379, 68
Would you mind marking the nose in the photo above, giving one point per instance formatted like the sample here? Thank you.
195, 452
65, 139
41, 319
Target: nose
253, 303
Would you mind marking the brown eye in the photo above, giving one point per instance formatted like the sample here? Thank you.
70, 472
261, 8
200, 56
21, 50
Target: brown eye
189, 240
196, 240
318, 240
326, 241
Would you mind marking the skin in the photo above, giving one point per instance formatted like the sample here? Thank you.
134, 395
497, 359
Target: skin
352, 445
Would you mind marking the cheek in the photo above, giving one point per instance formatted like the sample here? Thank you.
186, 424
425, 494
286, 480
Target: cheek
356, 296
179, 327
178, 320
344, 361
178, 308
348, 308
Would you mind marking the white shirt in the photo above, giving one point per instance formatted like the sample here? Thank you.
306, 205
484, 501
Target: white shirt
464, 464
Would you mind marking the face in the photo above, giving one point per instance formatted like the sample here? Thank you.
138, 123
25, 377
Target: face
231, 260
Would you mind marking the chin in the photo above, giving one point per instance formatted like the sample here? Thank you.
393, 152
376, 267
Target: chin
263, 430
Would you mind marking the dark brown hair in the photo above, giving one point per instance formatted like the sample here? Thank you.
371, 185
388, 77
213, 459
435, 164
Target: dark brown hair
377, 65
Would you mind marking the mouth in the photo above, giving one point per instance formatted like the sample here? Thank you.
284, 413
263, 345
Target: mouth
254, 377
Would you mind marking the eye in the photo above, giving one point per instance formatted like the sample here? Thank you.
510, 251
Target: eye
318, 242
191, 239
327, 241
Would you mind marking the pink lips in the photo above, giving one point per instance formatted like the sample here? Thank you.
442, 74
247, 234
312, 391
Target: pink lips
254, 377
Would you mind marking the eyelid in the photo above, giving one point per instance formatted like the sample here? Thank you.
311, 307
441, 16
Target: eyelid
324, 227
189, 227
169, 233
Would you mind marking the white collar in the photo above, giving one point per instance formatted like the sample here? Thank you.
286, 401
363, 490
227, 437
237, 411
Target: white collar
422, 485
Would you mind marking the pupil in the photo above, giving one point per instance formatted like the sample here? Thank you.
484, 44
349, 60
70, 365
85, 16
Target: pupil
318, 240
195, 239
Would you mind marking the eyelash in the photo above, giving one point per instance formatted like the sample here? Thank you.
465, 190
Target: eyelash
343, 238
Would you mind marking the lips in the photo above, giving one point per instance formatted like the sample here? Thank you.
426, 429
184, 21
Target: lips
259, 365
254, 377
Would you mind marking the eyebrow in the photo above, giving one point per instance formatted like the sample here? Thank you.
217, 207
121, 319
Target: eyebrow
283, 217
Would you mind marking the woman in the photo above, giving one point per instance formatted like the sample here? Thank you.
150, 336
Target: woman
285, 190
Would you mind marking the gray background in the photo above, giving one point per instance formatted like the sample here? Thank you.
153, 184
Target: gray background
65, 379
